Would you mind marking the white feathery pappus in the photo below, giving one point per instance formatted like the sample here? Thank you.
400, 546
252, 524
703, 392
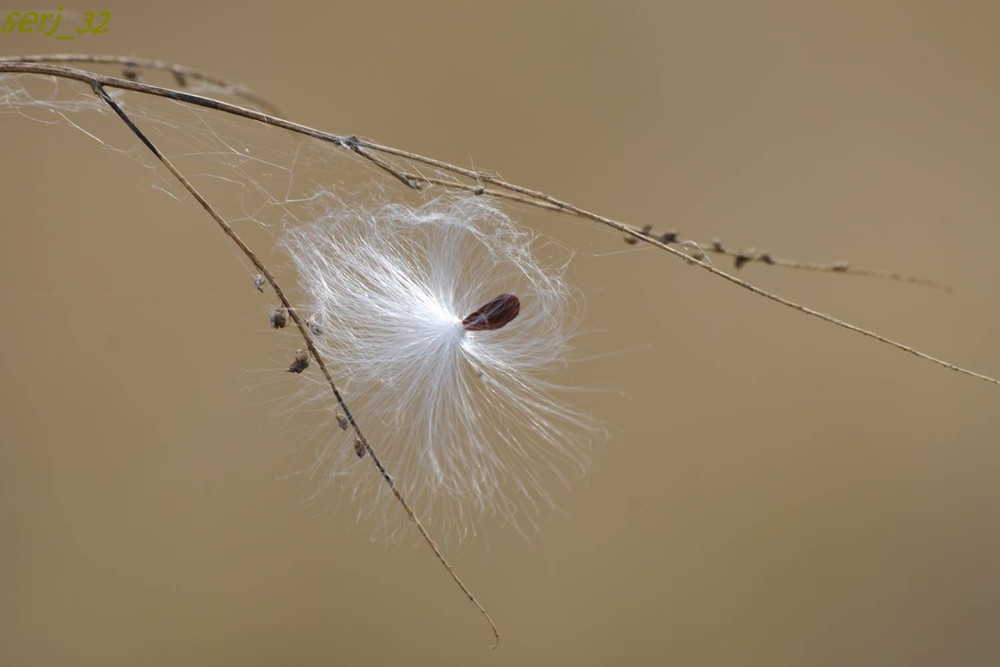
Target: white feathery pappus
446, 322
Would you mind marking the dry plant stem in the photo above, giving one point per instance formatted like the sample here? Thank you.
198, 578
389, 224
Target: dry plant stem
743, 257
528, 196
551, 202
310, 345
712, 247
507, 190
181, 73
832, 268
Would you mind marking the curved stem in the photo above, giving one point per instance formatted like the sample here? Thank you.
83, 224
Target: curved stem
310, 345
366, 149
181, 73
527, 195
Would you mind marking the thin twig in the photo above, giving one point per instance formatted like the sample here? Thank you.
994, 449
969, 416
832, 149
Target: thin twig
413, 181
354, 144
652, 240
530, 196
744, 257
741, 257
510, 191
310, 345
181, 73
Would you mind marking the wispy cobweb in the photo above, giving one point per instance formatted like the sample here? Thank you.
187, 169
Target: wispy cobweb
472, 425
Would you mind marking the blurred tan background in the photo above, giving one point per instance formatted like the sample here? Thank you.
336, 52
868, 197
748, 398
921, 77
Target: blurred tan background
775, 491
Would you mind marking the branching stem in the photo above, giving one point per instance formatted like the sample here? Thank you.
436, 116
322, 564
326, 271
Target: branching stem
480, 185
181, 73
303, 328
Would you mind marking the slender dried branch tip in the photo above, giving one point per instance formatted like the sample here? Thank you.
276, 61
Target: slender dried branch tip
287, 309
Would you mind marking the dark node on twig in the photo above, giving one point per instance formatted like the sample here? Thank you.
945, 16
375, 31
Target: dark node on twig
766, 258
479, 190
631, 240
741, 259
279, 318
180, 78
130, 72
342, 421
697, 255
300, 363
841, 266
258, 282
717, 246
314, 326
669, 237
352, 142
496, 313
359, 448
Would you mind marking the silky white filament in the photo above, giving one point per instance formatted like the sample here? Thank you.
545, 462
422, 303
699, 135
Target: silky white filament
466, 417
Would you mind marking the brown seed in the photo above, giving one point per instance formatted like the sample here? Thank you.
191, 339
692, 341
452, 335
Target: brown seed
359, 448
279, 319
342, 421
494, 314
631, 240
300, 363
130, 72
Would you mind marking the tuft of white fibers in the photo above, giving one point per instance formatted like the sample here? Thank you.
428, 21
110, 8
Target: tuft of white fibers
469, 423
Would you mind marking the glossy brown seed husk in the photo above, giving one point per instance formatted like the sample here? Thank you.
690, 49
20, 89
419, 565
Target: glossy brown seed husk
494, 314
